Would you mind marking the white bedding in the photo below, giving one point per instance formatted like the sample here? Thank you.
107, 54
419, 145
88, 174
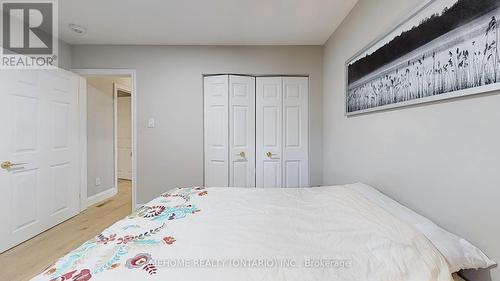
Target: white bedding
235, 234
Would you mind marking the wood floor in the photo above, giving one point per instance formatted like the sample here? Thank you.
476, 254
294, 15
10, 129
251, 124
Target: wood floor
35, 255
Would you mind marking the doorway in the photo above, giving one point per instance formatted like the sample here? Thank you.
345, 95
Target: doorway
110, 117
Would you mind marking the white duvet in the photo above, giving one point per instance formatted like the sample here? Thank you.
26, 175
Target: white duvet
219, 234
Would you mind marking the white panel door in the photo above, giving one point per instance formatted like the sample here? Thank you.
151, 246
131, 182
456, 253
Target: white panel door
268, 131
241, 131
39, 144
124, 131
216, 131
295, 132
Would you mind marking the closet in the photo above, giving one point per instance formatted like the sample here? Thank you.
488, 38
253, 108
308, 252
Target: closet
256, 131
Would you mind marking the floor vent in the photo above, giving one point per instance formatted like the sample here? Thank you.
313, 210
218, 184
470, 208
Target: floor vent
103, 203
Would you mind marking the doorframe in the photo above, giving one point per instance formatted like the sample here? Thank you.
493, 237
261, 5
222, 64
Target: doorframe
118, 87
85, 72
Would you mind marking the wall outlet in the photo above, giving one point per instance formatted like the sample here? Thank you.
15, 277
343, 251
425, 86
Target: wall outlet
151, 123
97, 181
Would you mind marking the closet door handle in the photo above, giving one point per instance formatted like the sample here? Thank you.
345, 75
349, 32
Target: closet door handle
270, 155
241, 154
8, 165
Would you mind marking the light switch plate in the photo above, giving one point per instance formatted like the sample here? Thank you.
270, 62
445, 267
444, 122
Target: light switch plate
97, 181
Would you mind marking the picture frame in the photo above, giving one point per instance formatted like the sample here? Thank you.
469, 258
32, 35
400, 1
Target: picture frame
416, 89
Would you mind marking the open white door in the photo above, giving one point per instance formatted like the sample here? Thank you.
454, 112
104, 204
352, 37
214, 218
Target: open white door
268, 131
124, 117
39, 146
123, 123
241, 131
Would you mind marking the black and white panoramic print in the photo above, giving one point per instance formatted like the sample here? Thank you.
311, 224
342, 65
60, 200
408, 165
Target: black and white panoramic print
449, 45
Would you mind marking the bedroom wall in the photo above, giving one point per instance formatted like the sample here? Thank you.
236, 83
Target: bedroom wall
440, 159
169, 89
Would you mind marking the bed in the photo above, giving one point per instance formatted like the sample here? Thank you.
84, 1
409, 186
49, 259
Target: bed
196, 233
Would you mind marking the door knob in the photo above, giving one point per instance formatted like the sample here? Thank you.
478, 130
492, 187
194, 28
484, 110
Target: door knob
270, 155
242, 154
7, 165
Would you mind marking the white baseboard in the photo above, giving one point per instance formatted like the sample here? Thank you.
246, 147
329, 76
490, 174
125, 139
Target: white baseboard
101, 196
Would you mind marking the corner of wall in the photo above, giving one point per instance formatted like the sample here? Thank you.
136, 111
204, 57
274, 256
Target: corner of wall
65, 55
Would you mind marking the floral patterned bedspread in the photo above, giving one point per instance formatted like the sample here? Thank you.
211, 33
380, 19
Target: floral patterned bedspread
255, 234
127, 243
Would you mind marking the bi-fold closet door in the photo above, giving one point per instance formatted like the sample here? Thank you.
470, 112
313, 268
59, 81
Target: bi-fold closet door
282, 132
256, 131
229, 117
241, 131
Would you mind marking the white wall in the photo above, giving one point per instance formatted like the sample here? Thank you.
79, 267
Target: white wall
169, 88
100, 133
440, 159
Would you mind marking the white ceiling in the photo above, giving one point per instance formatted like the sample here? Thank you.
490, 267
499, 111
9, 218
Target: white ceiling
202, 22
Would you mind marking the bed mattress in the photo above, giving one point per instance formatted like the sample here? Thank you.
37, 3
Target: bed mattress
196, 233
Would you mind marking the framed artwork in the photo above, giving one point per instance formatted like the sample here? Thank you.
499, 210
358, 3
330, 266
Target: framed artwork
445, 49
